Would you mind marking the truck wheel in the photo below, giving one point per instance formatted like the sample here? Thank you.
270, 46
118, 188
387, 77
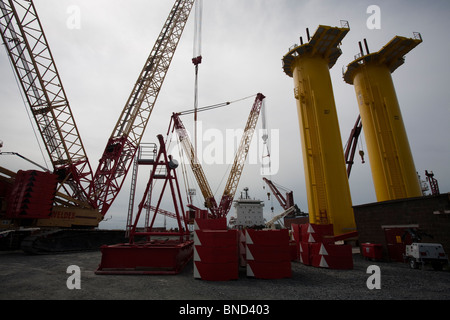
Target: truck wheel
413, 263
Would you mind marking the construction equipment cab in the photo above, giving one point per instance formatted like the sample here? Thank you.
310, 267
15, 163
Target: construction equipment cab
419, 254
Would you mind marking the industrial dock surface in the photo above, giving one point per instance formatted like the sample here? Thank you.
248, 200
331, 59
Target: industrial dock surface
45, 277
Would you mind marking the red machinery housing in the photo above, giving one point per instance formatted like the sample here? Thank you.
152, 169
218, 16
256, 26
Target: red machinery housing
32, 195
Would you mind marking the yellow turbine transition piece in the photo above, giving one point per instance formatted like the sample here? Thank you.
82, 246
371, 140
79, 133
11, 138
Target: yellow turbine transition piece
393, 170
328, 192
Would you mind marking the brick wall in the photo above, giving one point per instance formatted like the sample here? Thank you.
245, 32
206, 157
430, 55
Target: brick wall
430, 213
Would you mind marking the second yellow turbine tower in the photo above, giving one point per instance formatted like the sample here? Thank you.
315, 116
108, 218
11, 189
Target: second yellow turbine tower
393, 170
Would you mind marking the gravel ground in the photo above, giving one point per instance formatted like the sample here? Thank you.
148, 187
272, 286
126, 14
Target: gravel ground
25, 277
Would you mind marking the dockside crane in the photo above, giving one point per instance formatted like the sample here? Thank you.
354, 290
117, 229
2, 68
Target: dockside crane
88, 196
350, 147
285, 201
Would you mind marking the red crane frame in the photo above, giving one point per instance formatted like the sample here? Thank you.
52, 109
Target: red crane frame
34, 65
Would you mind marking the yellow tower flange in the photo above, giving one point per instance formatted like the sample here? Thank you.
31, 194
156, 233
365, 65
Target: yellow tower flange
328, 192
392, 165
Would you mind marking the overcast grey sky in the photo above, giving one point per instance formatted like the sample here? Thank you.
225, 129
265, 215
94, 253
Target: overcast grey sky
243, 44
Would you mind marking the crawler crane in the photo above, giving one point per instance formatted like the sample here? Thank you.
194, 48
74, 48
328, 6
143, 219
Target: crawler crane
81, 197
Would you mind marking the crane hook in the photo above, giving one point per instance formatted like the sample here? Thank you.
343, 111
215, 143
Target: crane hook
361, 153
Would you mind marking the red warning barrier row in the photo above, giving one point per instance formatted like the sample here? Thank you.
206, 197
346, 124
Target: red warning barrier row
331, 256
268, 254
219, 252
316, 232
317, 247
215, 250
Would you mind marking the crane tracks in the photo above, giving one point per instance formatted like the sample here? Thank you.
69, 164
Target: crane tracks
70, 240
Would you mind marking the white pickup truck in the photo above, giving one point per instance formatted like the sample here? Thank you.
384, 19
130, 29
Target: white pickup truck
419, 254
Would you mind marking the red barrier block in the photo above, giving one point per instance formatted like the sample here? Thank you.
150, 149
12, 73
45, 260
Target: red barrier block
268, 253
296, 235
210, 224
294, 250
305, 256
304, 234
216, 238
339, 263
267, 237
216, 271
216, 255
332, 262
242, 249
317, 232
269, 270
329, 249
296, 232
209, 254
318, 261
332, 256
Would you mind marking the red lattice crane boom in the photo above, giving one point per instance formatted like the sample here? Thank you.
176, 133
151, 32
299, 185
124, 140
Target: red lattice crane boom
223, 208
286, 201
127, 134
35, 69
29, 52
241, 155
197, 169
